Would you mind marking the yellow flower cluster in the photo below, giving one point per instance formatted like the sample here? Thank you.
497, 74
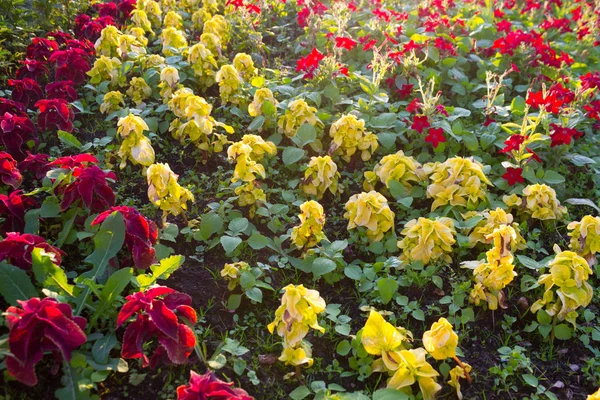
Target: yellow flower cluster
140, 19
371, 211
231, 272
349, 136
230, 83
494, 274
173, 20
298, 112
298, 311
107, 69
428, 240
395, 167
169, 78
173, 41
244, 65
567, 281
320, 176
259, 147
112, 101
539, 201
457, 181
310, 231
585, 237
260, 97
594, 396
492, 219
203, 63
138, 90
218, 27
165, 192
441, 341
135, 147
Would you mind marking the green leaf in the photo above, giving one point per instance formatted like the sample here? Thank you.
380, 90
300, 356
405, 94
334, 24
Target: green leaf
50, 208
256, 123
69, 140
15, 284
299, 393
322, 266
528, 262
255, 294
234, 301
162, 271
306, 134
418, 314
387, 288
553, 177
114, 286
353, 272
531, 380
210, 224
238, 225
390, 394
517, 106
48, 274
563, 332
103, 346
583, 202
291, 155
230, 243
258, 241
343, 348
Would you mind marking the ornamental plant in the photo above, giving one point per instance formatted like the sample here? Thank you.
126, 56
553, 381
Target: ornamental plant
112, 101
427, 240
298, 312
566, 287
164, 191
138, 90
395, 167
458, 181
208, 386
204, 64
539, 202
230, 84
371, 211
263, 100
16, 249
55, 113
13, 208
310, 231
162, 313
492, 219
37, 327
231, 273
87, 185
298, 112
350, 136
585, 237
16, 129
321, 176
136, 147
244, 65
9, 172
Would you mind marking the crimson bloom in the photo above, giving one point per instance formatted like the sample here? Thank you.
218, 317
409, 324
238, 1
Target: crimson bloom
71, 65
513, 142
9, 173
91, 187
36, 164
208, 386
593, 109
563, 135
16, 249
15, 131
37, 327
25, 91
41, 49
345, 43
161, 318
140, 234
435, 136
33, 69
76, 161
513, 175
420, 122
61, 90
310, 62
55, 113
13, 208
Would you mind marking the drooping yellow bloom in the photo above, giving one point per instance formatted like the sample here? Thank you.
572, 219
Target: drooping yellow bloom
135, 146
108, 42
245, 66
212, 43
112, 102
492, 219
457, 181
107, 69
130, 47
380, 338
371, 211
541, 202
320, 176
310, 231
585, 237
169, 77
199, 17
230, 83
139, 34
219, 27
260, 147
298, 112
428, 240
250, 194
413, 368
395, 167
165, 192
151, 8
231, 272
300, 355
349, 136
441, 340
260, 97
140, 20
246, 169
138, 90
594, 396
173, 20
567, 280
457, 373
203, 63
173, 41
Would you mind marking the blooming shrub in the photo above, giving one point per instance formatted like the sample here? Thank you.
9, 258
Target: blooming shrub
585, 237
321, 176
298, 112
230, 82
208, 386
492, 219
395, 167
539, 201
9, 173
349, 136
427, 240
16, 249
310, 231
55, 113
164, 191
135, 146
89, 184
371, 211
13, 208
261, 96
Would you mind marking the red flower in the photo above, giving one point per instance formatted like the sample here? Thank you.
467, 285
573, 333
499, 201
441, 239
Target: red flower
77, 161
593, 109
9, 173
59, 37
140, 234
61, 90
405, 91
55, 113
41, 49
513, 142
513, 176
534, 156
25, 91
488, 121
370, 44
13, 208
208, 386
36, 164
504, 26
91, 187
590, 80
40, 326
310, 63
71, 65
303, 17
413, 106
15, 131
33, 69
563, 135
161, 318
420, 123
435, 136
16, 249
345, 43
107, 9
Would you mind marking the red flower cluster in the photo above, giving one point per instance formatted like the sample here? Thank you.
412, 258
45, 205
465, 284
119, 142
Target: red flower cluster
593, 109
37, 327
208, 386
140, 234
161, 318
9, 173
345, 43
563, 135
435, 136
513, 143
55, 113
555, 98
25, 91
13, 208
91, 187
420, 122
37, 164
310, 63
16, 249
513, 176
15, 129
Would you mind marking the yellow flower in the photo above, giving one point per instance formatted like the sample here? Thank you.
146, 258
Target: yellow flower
456, 374
298, 112
413, 368
135, 146
138, 90
493, 219
107, 69
298, 311
211, 42
173, 20
512, 201
256, 107
218, 26
107, 43
251, 195
231, 272
199, 17
173, 41
203, 63
567, 279
112, 102
297, 356
128, 46
457, 181
395, 167
230, 82
169, 77
441, 341
380, 338
310, 231
349, 136
428, 240
246, 168
140, 20
585, 237
165, 192
541, 202
139, 34
370, 210
320, 176
259, 146
245, 66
